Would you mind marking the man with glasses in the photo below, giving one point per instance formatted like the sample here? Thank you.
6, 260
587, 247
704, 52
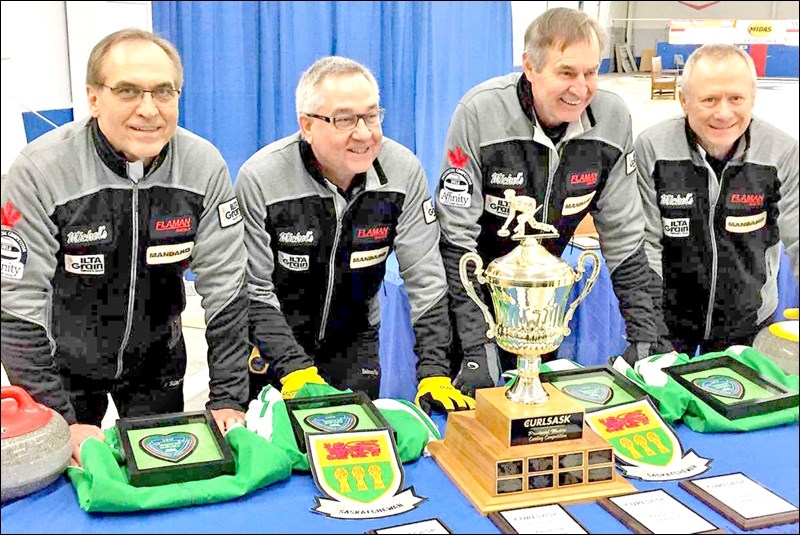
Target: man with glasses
101, 217
323, 208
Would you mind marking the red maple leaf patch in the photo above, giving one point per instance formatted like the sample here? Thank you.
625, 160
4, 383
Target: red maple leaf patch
10, 215
457, 158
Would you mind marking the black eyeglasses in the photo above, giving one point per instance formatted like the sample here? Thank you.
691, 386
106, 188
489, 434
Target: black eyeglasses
348, 122
130, 93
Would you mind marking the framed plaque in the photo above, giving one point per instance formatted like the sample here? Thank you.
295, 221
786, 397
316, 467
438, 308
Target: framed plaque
596, 387
656, 511
731, 388
742, 500
541, 519
431, 525
174, 448
333, 414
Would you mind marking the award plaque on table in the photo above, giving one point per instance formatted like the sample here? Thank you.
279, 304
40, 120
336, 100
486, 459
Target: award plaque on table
741, 500
540, 519
527, 445
656, 511
431, 525
338, 413
174, 448
596, 387
731, 388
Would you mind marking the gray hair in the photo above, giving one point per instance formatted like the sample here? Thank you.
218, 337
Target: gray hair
717, 52
307, 98
97, 58
561, 27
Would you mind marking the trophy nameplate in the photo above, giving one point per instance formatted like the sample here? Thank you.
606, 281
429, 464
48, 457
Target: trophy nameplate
527, 445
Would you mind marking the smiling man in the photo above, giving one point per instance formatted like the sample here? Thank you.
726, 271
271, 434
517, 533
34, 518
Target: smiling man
101, 218
549, 134
323, 209
719, 189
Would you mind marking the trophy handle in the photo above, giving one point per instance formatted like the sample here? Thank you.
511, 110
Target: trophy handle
586, 289
462, 271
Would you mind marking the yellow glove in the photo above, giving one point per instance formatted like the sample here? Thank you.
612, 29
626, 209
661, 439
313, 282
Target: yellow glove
295, 381
437, 393
790, 313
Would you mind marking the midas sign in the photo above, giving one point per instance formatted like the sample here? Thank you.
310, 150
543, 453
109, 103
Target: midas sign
760, 29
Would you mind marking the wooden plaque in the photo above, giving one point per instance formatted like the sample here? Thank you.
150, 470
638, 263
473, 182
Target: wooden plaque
656, 511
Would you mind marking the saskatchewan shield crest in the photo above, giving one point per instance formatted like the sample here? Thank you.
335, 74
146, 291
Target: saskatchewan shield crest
645, 446
360, 474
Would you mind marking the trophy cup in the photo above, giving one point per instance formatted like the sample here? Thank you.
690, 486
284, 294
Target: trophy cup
527, 445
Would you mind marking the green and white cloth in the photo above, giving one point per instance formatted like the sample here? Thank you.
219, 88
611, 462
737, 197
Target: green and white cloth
267, 416
675, 402
102, 483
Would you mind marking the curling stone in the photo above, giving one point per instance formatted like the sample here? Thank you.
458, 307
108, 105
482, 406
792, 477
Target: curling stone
779, 342
36, 445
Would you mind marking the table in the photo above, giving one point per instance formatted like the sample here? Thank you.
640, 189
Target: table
598, 331
769, 456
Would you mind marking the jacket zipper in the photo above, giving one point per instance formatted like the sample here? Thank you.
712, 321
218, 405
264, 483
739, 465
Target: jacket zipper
713, 290
132, 287
331, 268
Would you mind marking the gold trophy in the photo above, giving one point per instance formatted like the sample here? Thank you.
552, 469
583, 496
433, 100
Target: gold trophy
527, 445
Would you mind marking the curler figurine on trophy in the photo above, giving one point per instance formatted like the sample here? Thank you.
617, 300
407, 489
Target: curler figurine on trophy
527, 444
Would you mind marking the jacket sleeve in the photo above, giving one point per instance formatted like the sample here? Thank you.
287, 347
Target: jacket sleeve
619, 220
28, 268
416, 246
219, 261
459, 223
269, 330
788, 206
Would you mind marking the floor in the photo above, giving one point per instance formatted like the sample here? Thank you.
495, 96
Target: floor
776, 102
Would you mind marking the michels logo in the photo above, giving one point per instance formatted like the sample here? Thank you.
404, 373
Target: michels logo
372, 233
753, 200
760, 29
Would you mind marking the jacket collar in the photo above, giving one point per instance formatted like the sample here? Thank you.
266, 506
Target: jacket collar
314, 168
739, 152
115, 161
525, 95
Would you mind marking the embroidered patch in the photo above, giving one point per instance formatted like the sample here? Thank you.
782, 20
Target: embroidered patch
375, 233
294, 262
455, 188
333, 421
745, 224
14, 254
428, 211
166, 226
87, 235
173, 447
574, 205
630, 162
91, 264
496, 205
457, 158
721, 385
169, 254
362, 259
229, 213
507, 179
676, 200
10, 215
592, 392
676, 228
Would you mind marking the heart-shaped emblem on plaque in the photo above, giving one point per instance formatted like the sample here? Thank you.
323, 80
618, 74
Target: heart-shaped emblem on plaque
592, 392
173, 447
721, 385
332, 421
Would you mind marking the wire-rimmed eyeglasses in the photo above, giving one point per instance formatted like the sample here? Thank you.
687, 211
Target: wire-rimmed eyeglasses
163, 94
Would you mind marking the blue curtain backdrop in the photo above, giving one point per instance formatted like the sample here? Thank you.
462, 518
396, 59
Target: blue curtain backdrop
242, 62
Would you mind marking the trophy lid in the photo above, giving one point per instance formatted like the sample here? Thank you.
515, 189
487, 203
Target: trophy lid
530, 265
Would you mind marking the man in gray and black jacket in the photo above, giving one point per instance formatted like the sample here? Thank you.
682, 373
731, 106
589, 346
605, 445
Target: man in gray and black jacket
323, 209
719, 189
100, 220
547, 133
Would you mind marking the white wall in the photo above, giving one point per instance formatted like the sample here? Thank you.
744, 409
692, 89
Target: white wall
45, 46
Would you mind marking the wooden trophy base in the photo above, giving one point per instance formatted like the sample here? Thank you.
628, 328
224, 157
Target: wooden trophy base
477, 454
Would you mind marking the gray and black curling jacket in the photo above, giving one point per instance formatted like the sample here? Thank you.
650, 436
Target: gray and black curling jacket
316, 260
494, 143
715, 241
94, 251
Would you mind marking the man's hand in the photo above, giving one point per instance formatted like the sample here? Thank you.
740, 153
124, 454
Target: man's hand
79, 433
437, 393
479, 369
227, 419
295, 381
640, 350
